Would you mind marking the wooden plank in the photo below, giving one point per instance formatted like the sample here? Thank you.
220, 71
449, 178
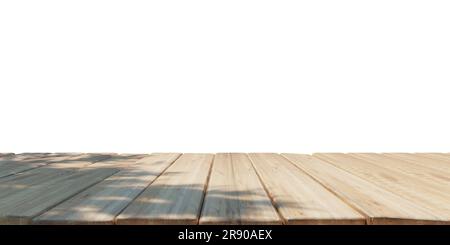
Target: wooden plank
24, 196
406, 166
173, 198
378, 204
53, 172
6, 155
430, 161
101, 203
235, 194
445, 157
429, 195
386, 171
34, 154
27, 158
21, 207
67, 188
83, 160
116, 161
298, 198
24, 163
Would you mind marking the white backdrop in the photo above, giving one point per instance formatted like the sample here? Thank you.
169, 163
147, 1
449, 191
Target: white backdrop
215, 76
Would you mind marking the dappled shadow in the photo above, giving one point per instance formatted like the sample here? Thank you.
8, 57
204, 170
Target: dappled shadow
61, 161
163, 204
43, 177
120, 186
30, 193
5, 156
103, 202
48, 158
29, 161
28, 197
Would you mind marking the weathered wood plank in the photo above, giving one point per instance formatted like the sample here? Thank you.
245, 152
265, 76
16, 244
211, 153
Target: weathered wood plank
77, 161
25, 162
235, 194
73, 188
6, 155
378, 204
173, 198
101, 203
48, 163
24, 196
299, 198
55, 167
33, 155
401, 184
21, 207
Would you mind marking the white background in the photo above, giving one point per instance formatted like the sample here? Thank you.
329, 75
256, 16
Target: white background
217, 76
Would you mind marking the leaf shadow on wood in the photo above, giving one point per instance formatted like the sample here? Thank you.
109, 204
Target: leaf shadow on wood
61, 179
107, 198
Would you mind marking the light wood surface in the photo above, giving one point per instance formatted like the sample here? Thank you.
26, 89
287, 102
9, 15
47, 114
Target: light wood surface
235, 195
101, 203
427, 191
300, 199
427, 194
438, 156
401, 166
175, 197
431, 161
226, 188
378, 204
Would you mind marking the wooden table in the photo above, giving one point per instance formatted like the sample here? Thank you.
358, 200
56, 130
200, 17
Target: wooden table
225, 188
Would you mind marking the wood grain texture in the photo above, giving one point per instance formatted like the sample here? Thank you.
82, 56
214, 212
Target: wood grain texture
401, 166
378, 204
109, 188
426, 192
55, 169
431, 161
42, 175
24, 162
175, 197
101, 203
409, 188
298, 198
21, 207
439, 156
235, 195
77, 161
27, 195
